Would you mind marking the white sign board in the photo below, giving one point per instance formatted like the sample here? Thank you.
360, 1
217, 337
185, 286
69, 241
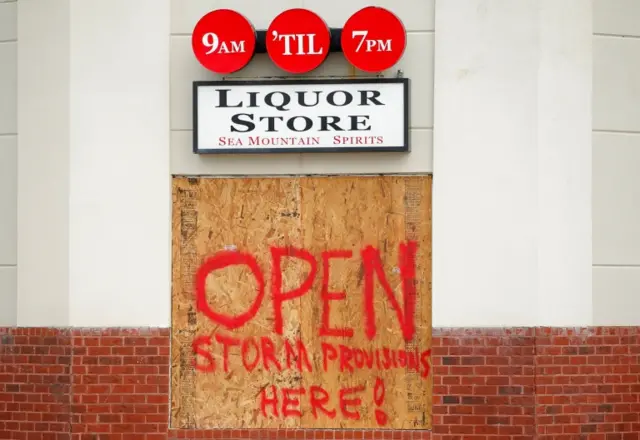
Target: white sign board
294, 116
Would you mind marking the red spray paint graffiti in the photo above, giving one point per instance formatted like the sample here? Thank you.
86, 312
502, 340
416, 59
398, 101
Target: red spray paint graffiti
212, 352
372, 268
294, 356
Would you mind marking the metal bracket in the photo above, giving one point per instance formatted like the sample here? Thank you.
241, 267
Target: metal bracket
335, 45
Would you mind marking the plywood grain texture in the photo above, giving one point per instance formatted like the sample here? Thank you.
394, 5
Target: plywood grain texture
214, 216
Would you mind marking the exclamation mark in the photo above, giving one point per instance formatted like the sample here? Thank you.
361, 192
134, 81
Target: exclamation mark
378, 399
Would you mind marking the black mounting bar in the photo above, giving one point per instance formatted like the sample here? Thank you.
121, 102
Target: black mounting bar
335, 46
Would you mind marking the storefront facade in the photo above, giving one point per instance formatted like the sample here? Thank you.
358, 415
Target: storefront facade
523, 114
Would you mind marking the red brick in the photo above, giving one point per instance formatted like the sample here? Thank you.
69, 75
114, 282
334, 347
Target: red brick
519, 383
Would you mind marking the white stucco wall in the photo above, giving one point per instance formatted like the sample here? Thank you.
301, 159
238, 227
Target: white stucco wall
616, 161
8, 161
43, 163
507, 86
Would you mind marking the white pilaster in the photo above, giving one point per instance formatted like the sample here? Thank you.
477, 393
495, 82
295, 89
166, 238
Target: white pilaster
94, 162
564, 163
512, 163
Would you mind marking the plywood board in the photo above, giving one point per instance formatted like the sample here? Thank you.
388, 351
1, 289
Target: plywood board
301, 302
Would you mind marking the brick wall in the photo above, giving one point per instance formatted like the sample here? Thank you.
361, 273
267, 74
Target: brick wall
488, 384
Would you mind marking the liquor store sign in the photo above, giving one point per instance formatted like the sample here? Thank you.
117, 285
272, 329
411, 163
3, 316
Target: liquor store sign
298, 116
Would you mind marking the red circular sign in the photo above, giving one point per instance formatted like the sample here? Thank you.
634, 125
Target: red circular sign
373, 39
223, 41
298, 40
